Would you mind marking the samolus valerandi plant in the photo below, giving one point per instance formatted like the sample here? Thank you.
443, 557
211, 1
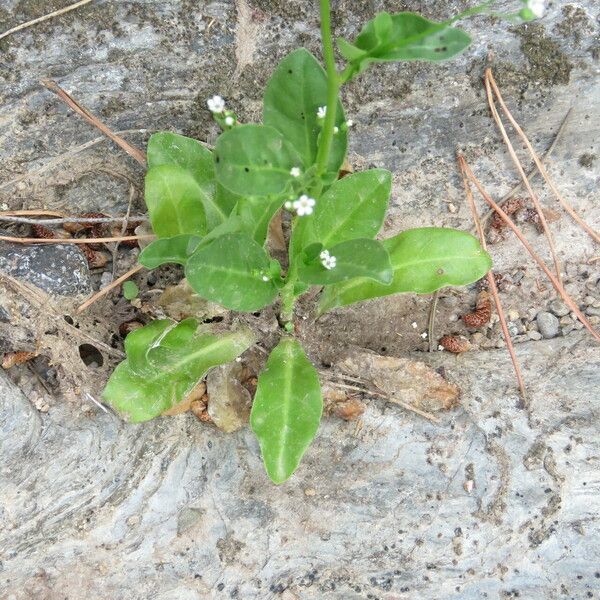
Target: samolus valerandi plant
211, 210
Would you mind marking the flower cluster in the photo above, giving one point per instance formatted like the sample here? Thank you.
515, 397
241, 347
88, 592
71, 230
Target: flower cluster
216, 105
537, 7
303, 206
327, 260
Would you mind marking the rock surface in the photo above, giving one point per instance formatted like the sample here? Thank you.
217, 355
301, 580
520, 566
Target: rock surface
497, 501
56, 269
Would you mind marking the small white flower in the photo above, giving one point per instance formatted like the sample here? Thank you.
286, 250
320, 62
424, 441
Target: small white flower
289, 205
229, 121
216, 104
336, 129
424, 335
441, 348
321, 112
537, 7
265, 278
295, 171
327, 260
349, 123
414, 325
304, 205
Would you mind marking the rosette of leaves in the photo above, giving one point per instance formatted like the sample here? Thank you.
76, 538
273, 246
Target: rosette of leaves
211, 208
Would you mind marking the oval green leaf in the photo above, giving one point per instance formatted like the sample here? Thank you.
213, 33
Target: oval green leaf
403, 36
254, 160
354, 258
423, 260
166, 148
165, 360
176, 249
256, 214
233, 271
174, 201
287, 409
353, 207
296, 90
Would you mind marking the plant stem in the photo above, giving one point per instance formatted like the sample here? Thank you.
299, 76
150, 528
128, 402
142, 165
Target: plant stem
333, 87
287, 302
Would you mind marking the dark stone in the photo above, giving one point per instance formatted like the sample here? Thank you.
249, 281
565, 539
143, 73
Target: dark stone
57, 269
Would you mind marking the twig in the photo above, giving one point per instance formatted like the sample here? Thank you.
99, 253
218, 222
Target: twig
109, 287
517, 163
125, 238
492, 282
431, 319
533, 172
593, 234
61, 158
10, 218
557, 284
51, 15
134, 152
123, 229
46, 213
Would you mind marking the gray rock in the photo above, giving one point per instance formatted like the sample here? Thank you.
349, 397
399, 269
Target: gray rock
547, 324
592, 311
534, 335
59, 269
484, 491
559, 308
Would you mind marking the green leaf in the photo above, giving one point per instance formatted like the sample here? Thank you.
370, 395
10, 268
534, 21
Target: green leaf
354, 258
254, 160
287, 409
130, 290
353, 207
174, 202
296, 90
166, 148
423, 260
256, 214
174, 249
164, 362
231, 271
403, 36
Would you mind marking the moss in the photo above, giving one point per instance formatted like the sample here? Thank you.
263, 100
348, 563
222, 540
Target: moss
547, 62
113, 106
587, 160
575, 23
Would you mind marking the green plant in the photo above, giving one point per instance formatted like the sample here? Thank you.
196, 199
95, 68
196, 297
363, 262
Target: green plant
211, 210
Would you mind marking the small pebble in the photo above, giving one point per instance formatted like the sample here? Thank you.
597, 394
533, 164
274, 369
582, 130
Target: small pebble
594, 320
310, 492
478, 338
589, 300
566, 320
452, 208
106, 279
512, 315
534, 335
547, 324
560, 309
567, 329
592, 311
